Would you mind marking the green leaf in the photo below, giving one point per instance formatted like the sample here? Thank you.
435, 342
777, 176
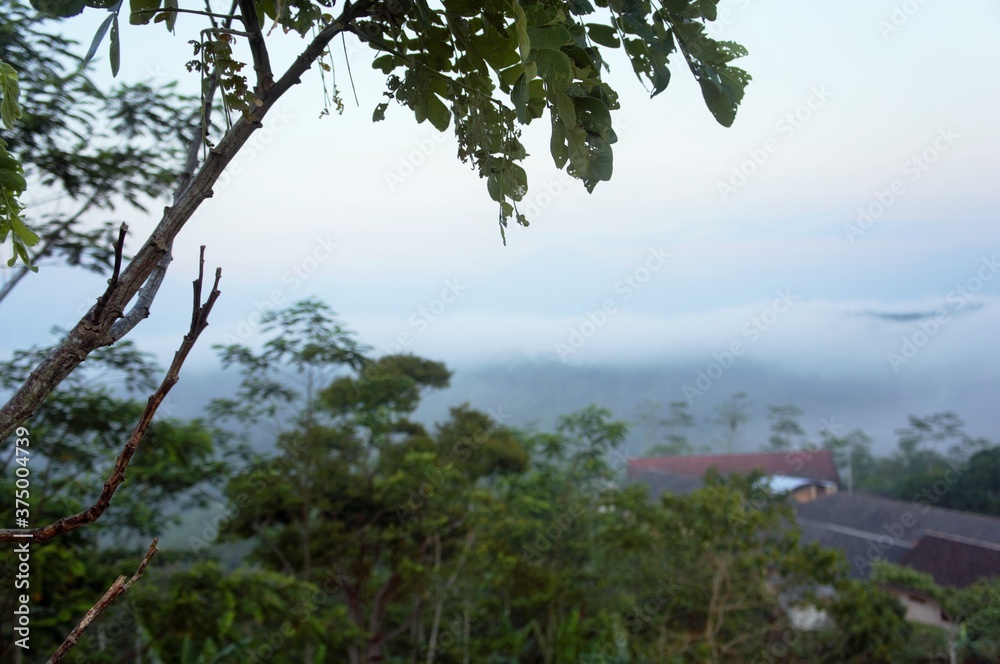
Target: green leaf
385, 63
594, 116
27, 235
600, 163
267, 8
708, 9
520, 97
98, 38
115, 49
605, 35
379, 113
12, 179
142, 11
171, 16
554, 66
722, 90
429, 107
521, 30
557, 143
466, 8
498, 50
59, 8
10, 109
552, 36
566, 109
512, 74
540, 15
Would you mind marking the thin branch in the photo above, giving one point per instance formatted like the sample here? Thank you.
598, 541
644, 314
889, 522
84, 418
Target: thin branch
144, 301
177, 10
350, 76
117, 589
119, 247
199, 321
258, 49
198, 140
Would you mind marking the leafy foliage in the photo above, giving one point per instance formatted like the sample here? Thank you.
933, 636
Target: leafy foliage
106, 148
12, 183
490, 69
495, 67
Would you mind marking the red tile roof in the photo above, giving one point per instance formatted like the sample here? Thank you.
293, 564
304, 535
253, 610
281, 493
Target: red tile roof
810, 464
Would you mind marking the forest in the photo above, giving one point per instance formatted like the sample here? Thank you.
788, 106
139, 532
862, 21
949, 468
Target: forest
364, 536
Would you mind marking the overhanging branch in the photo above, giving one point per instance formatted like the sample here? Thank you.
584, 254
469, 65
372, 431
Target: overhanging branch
258, 49
199, 321
94, 332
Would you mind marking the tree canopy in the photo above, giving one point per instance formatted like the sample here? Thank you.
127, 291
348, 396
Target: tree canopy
486, 68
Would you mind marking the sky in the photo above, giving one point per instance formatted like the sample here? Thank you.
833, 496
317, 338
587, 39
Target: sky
844, 227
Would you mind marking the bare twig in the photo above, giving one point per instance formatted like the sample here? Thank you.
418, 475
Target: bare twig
258, 49
119, 247
117, 589
199, 321
144, 300
176, 10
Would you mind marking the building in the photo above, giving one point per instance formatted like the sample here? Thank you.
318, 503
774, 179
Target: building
803, 475
805, 464
955, 548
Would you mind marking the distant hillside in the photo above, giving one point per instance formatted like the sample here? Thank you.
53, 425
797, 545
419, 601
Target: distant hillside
538, 392
524, 392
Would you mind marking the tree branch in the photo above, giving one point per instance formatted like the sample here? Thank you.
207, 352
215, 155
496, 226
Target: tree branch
144, 301
199, 321
117, 589
92, 333
258, 49
115, 272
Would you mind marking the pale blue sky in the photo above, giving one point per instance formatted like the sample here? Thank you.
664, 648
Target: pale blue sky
406, 217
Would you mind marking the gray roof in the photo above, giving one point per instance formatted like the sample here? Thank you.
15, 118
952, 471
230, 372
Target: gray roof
660, 483
869, 528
